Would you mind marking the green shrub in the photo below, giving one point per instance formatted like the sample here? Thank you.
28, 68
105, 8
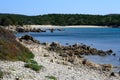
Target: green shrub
1, 74
33, 65
25, 57
51, 77
31, 61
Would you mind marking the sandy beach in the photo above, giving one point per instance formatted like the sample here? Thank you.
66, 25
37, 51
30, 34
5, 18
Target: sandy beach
52, 66
13, 28
74, 26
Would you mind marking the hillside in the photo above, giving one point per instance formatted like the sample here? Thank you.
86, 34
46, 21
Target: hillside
111, 20
10, 49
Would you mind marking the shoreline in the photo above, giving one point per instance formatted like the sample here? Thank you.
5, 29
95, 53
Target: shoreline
28, 27
73, 26
43, 28
53, 65
53, 60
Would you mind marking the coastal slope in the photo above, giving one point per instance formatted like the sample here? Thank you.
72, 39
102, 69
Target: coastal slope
52, 66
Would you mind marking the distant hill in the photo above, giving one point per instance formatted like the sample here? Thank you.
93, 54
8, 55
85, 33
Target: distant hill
10, 49
112, 20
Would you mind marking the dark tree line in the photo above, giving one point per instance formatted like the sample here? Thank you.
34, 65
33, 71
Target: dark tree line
112, 20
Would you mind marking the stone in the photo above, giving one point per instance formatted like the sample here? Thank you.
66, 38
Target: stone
114, 54
90, 64
107, 67
109, 51
51, 60
119, 73
54, 44
28, 37
113, 74
20, 29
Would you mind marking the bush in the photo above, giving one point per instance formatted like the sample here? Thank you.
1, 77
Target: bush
1, 74
33, 65
31, 61
51, 77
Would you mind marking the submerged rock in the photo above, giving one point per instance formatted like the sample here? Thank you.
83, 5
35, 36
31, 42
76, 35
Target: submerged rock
109, 51
114, 54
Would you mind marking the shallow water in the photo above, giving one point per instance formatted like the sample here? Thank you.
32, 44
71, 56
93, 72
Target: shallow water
100, 38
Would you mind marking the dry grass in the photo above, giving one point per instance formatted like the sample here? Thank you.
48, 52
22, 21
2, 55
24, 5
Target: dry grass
12, 50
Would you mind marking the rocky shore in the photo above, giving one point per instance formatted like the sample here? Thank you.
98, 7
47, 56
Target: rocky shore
62, 62
44, 28
34, 28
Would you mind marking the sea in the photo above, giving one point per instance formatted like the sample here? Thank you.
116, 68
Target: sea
100, 38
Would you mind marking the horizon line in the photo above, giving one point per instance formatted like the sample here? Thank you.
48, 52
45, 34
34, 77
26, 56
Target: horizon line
61, 13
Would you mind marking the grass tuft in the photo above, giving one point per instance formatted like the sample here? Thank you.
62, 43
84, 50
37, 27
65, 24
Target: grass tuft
51, 77
1, 74
33, 65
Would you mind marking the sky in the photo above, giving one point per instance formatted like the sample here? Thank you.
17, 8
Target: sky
40, 7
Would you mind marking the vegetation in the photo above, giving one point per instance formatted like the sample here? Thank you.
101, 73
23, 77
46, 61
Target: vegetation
51, 77
61, 19
1, 74
12, 50
33, 65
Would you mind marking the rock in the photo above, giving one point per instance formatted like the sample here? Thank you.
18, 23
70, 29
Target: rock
107, 67
101, 53
119, 73
45, 44
20, 29
63, 54
71, 60
51, 60
90, 64
60, 29
51, 30
84, 61
76, 45
114, 54
37, 30
27, 38
113, 74
109, 51
54, 44
67, 43
17, 79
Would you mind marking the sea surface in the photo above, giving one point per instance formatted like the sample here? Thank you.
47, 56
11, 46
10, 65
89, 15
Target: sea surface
100, 38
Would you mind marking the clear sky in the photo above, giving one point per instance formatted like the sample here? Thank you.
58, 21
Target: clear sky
38, 7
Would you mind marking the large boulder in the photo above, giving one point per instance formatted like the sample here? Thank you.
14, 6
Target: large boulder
28, 38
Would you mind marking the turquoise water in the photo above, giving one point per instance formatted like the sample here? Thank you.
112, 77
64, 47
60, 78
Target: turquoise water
100, 38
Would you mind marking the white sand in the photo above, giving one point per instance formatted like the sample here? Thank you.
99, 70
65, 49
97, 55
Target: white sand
14, 70
77, 26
